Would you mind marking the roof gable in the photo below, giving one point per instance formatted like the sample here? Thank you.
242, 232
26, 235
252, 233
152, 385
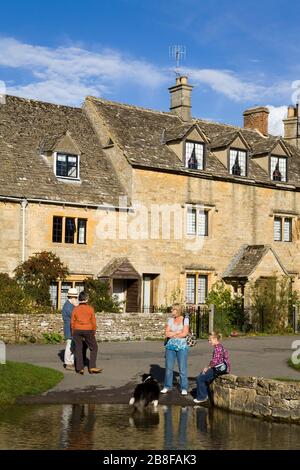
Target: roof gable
247, 260
119, 268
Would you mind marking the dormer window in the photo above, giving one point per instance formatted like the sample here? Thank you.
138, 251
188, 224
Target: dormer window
194, 155
278, 169
237, 162
67, 166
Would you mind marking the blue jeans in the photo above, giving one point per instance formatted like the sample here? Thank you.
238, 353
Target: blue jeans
181, 357
203, 381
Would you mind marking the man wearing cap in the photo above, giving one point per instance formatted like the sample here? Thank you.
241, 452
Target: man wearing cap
67, 310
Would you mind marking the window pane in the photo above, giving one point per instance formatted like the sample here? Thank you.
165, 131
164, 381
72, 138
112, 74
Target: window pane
194, 155
232, 158
287, 230
202, 289
54, 294
61, 165
72, 166
282, 168
191, 221
242, 162
202, 223
57, 229
79, 286
65, 286
199, 156
81, 231
70, 230
190, 289
277, 229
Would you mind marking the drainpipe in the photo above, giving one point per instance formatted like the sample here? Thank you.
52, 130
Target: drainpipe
24, 204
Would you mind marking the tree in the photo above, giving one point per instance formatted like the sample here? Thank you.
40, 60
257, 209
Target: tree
99, 296
36, 274
12, 297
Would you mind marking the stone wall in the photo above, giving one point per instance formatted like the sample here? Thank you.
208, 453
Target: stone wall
110, 326
255, 396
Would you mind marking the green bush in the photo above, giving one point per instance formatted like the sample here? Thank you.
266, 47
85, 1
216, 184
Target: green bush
36, 274
271, 302
229, 313
99, 296
52, 338
13, 299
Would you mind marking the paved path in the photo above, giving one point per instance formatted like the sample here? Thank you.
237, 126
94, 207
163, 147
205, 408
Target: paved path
124, 362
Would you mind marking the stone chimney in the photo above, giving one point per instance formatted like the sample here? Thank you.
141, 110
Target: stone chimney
181, 98
257, 119
291, 126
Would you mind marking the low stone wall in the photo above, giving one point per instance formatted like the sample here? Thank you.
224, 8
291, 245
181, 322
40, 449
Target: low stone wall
255, 396
110, 326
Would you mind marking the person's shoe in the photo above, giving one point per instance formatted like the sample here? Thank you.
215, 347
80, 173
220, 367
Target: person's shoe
184, 392
69, 367
81, 372
164, 390
95, 370
200, 401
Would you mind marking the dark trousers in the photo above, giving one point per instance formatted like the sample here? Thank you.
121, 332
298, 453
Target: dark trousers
89, 337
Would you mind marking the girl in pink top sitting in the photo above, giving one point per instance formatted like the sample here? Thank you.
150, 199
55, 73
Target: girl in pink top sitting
219, 365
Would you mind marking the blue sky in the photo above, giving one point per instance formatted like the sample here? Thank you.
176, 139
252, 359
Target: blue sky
239, 53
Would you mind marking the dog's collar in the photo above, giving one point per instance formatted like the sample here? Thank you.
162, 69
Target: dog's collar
150, 377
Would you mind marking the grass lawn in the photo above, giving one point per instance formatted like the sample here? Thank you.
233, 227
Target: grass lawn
18, 379
294, 366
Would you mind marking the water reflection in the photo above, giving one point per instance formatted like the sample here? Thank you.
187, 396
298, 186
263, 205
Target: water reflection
117, 427
77, 427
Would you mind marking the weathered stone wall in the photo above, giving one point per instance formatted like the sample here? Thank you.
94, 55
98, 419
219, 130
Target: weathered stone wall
256, 396
110, 326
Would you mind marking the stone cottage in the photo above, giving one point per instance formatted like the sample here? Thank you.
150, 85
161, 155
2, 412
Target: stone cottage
159, 204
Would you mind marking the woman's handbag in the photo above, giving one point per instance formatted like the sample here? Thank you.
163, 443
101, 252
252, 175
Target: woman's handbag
191, 339
220, 369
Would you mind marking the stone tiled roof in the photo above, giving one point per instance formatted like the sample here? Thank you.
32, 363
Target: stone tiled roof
119, 268
28, 127
246, 260
143, 135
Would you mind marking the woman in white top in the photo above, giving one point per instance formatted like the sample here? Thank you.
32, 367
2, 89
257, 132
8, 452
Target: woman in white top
176, 348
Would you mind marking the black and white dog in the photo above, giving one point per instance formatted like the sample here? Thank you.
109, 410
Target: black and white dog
146, 392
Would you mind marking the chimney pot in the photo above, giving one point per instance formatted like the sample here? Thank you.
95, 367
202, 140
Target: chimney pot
257, 119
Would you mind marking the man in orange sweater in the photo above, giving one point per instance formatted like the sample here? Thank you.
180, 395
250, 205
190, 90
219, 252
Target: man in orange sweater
83, 326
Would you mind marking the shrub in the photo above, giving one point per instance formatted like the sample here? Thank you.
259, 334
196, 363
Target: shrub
36, 274
52, 338
13, 299
271, 301
229, 313
99, 296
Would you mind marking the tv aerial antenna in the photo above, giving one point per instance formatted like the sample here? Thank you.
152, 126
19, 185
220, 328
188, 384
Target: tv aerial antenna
177, 53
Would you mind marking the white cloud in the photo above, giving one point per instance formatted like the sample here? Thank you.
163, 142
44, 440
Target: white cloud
67, 74
235, 87
277, 114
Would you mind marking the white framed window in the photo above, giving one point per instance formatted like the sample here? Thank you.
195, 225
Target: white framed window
194, 155
287, 229
278, 169
191, 289
277, 229
196, 288
237, 162
283, 229
197, 222
67, 166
